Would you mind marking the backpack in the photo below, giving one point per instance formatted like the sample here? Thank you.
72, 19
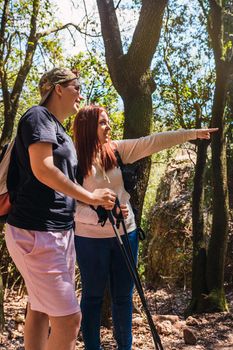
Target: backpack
5, 165
129, 173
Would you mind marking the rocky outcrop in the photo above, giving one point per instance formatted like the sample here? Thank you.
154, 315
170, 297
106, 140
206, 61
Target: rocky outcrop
170, 244
169, 253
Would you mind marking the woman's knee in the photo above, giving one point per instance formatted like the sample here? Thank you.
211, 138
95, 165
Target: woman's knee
69, 324
73, 322
35, 316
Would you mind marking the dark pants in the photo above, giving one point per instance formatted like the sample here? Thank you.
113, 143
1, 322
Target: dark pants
100, 261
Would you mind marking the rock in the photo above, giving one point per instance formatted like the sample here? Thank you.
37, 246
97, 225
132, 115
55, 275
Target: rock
138, 321
171, 318
179, 325
191, 321
165, 327
20, 328
19, 318
189, 336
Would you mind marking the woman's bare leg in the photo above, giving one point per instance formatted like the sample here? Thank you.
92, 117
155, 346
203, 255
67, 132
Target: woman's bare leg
36, 330
64, 331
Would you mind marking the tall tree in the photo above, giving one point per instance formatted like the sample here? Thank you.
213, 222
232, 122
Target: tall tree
184, 94
130, 72
208, 292
25, 29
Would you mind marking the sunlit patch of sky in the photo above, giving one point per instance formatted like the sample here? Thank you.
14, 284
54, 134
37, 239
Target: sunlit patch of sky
74, 12
69, 12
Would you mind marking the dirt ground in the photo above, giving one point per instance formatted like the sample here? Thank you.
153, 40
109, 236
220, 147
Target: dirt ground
199, 332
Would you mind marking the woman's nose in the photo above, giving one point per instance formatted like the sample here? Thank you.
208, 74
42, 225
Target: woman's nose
80, 97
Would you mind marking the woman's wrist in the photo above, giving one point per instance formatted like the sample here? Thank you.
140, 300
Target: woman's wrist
83, 195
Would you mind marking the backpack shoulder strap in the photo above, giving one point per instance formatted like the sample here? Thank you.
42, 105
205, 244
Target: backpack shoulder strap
119, 160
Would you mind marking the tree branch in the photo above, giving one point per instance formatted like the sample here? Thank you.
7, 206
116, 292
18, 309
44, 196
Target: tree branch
62, 27
216, 29
118, 4
85, 8
30, 50
3, 79
175, 85
5, 14
146, 34
111, 36
110, 28
5, 91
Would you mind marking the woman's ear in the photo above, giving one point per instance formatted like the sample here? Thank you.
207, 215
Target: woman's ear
58, 89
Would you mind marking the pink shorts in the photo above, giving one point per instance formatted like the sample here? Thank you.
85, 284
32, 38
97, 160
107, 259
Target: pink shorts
46, 261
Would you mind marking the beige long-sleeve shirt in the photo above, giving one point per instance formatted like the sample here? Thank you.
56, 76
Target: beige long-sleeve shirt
86, 219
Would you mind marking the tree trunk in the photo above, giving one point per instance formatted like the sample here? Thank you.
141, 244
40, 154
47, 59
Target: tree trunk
138, 112
208, 267
214, 299
7, 128
199, 287
219, 234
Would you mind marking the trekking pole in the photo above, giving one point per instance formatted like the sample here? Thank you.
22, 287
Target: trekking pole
127, 240
134, 274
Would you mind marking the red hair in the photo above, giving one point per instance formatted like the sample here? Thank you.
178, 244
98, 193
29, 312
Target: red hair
87, 143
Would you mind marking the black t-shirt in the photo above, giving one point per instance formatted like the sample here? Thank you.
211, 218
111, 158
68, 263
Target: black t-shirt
37, 206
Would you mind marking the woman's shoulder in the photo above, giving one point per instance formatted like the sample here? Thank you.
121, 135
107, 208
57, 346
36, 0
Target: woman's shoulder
35, 114
37, 109
115, 144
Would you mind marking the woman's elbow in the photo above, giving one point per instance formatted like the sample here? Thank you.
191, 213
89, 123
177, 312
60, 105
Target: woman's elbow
41, 174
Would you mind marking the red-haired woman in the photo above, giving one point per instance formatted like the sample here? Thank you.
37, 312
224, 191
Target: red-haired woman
98, 254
